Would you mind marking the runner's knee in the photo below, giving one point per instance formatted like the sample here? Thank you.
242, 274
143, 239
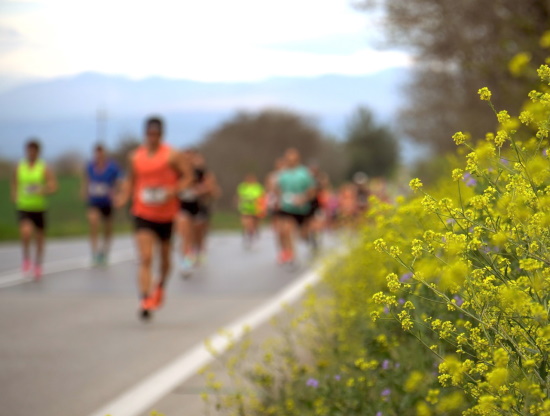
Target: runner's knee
146, 259
93, 217
26, 229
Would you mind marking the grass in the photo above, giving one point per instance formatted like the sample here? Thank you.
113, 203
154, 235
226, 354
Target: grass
67, 213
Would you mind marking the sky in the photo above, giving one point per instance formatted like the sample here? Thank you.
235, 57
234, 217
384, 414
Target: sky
201, 40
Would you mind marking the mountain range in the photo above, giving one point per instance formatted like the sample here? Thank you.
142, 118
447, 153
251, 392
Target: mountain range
63, 112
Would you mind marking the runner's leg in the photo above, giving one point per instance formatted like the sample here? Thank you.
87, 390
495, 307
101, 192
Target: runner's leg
40, 237
165, 262
94, 221
201, 229
248, 225
186, 232
287, 227
107, 234
248, 230
145, 241
165, 255
26, 230
276, 224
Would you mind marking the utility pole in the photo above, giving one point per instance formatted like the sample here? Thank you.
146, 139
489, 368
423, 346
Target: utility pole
101, 125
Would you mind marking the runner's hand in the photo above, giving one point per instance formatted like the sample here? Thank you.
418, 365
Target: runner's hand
119, 201
171, 192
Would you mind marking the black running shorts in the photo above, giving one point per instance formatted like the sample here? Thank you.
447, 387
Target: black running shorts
163, 230
195, 210
37, 218
301, 219
106, 211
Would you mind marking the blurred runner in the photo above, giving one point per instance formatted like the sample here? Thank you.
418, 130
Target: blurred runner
31, 182
316, 215
330, 206
379, 189
272, 198
250, 195
360, 179
156, 174
347, 205
296, 188
99, 186
194, 218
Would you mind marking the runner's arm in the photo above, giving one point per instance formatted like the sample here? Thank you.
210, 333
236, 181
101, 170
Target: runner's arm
51, 182
180, 161
212, 188
126, 185
307, 195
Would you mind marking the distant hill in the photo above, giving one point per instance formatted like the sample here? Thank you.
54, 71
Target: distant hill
62, 112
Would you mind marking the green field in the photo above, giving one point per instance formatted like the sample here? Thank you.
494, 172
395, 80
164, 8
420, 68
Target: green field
67, 213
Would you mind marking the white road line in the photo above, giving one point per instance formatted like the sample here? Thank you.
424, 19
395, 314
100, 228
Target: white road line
15, 277
140, 397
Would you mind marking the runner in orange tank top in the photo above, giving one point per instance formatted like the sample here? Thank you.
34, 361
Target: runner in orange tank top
156, 174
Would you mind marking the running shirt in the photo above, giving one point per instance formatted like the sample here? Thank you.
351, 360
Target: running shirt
153, 177
101, 183
189, 194
250, 195
30, 184
294, 184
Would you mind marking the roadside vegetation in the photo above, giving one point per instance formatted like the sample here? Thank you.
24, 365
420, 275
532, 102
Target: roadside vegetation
440, 308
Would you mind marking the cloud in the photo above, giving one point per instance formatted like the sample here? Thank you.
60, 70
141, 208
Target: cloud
10, 38
208, 41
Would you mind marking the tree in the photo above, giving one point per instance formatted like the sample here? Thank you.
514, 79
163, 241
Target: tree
461, 46
372, 148
250, 142
69, 163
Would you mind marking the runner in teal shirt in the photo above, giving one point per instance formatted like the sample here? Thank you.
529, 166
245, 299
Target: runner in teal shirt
295, 183
295, 187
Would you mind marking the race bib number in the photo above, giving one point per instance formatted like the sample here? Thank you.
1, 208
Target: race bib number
188, 195
33, 189
154, 196
291, 199
98, 189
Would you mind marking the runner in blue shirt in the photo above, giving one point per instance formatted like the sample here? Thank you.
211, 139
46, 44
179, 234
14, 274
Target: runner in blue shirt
101, 179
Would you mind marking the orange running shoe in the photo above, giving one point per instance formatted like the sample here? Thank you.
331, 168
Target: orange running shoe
158, 297
147, 306
285, 257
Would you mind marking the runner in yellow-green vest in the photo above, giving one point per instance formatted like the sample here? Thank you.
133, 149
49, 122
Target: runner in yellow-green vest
251, 203
32, 181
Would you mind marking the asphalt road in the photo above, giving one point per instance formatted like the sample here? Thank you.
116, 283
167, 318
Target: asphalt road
72, 342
